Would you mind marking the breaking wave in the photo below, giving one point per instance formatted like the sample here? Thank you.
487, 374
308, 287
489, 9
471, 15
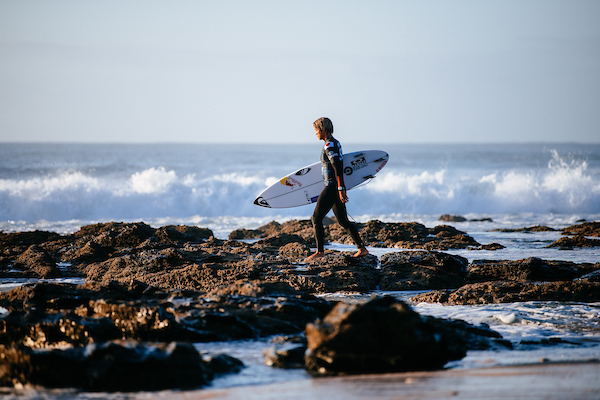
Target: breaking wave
561, 187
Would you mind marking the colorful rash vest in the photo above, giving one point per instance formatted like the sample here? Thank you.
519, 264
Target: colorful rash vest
331, 162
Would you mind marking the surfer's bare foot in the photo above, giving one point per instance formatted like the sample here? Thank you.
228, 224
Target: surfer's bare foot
361, 252
314, 256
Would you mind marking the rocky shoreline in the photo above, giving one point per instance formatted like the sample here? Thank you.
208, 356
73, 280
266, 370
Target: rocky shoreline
149, 293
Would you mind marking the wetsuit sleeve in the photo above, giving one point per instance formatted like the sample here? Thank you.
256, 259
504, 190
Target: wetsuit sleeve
333, 152
339, 170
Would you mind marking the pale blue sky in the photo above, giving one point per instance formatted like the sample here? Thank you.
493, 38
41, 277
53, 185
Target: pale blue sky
262, 71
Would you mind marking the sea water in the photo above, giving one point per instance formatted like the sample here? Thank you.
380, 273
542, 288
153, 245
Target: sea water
61, 187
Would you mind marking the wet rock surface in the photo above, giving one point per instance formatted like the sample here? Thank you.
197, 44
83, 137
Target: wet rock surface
412, 270
460, 218
386, 335
508, 292
586, 234
59, 335
584, 229
190, 258
410, 235
152, 292
530, 269
46, 315
111, 366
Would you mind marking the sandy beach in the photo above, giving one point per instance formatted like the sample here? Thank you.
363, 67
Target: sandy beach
572, 381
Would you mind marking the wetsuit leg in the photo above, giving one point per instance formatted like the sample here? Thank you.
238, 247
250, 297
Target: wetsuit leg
324, 204
339, 209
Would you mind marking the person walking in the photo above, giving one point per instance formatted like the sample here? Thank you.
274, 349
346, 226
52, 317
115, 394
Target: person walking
334, 196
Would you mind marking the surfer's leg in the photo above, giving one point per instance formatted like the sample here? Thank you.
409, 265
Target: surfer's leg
339, 209
323, 206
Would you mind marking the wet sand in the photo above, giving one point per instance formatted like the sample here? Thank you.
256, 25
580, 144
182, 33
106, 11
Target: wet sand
540, 381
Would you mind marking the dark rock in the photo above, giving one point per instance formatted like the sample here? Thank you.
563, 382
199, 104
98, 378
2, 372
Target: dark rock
414, 270
88, 253
492, 246
294, 250
384, 335
285, 357
410, 235
591, 277
181, 233
509, 292
582, 235
256, 288
240, 234
116, 234
302, 228
111, 366
481, 220
221, 364
283, 239
55, 297
26, 238
452, 218
334, 273
568, 243
45, 315
536, 228
38, 262
530, 269
591, 229
37, 330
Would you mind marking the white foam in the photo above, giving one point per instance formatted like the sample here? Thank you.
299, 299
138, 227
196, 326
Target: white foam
155, 180
565, 186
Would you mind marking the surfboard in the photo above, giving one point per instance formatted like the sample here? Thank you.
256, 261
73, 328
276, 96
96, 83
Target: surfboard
303, 186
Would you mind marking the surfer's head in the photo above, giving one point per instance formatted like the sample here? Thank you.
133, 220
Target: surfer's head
323, 126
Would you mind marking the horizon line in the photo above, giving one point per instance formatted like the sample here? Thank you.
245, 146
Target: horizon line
445, 143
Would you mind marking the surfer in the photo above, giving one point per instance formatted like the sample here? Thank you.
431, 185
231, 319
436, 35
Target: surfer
334, 194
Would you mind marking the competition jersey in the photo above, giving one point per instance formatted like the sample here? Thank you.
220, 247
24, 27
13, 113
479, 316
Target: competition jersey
331, 160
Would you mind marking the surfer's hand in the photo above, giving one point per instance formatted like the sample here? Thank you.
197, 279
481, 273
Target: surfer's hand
343, 196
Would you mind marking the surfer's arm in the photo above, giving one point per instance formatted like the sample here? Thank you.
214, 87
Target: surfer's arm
338, 168
339, 174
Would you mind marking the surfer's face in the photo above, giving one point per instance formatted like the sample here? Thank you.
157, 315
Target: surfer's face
320, 134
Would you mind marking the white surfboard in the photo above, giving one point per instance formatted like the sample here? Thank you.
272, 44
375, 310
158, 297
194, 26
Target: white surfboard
303, 186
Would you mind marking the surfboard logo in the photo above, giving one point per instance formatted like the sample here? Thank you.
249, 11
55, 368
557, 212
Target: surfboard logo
303, 171
358, 164
259, 201
381, 166
289, 181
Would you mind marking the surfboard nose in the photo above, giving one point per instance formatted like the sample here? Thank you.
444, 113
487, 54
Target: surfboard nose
259, 201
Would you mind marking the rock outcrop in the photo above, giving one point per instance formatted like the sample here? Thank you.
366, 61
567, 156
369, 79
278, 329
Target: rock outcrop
386, 335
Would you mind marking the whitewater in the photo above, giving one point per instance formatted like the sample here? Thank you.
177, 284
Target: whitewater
60, 187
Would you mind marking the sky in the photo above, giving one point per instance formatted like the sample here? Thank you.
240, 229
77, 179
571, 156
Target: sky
226, 71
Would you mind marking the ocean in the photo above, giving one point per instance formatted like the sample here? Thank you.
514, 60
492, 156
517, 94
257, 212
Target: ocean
61, 187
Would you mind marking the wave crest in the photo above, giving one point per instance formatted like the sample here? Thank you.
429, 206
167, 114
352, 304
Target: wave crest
564, 186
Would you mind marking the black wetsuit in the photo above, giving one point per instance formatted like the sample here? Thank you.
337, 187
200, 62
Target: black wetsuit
331, 161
